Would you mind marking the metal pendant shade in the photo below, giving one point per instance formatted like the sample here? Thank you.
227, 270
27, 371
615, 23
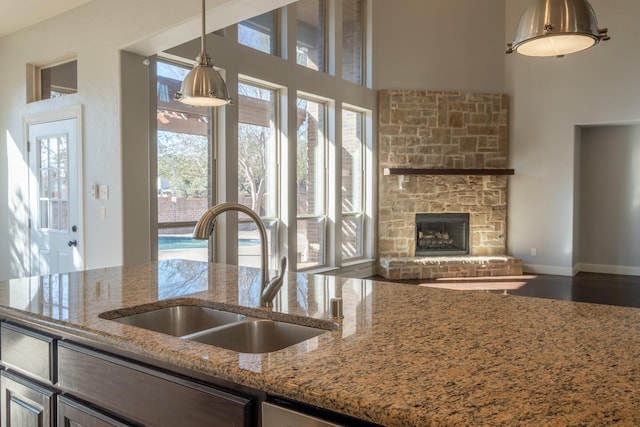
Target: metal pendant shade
557, 28
203, 86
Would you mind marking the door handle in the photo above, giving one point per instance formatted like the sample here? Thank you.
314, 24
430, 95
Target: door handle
73, 243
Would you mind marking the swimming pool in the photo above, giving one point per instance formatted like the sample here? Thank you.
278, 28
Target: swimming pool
186, 242
180, 242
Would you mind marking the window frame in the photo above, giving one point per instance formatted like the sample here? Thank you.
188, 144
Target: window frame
34, 78
325, 216
360, 213
363, 45
275, 244
276, 35
212, 118
325, 38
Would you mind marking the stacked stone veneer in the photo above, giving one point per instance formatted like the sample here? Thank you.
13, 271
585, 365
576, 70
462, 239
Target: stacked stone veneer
442, 130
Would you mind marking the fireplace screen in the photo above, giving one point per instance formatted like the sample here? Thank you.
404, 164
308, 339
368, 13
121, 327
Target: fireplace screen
442, 234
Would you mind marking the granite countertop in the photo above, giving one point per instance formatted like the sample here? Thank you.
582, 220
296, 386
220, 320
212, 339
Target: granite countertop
402, 356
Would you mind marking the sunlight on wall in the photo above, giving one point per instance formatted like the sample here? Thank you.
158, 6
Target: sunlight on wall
635, 171
18, 209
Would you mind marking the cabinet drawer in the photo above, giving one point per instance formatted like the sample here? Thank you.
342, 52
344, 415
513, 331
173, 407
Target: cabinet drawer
28, 351
145, 395
25, 403
74, 413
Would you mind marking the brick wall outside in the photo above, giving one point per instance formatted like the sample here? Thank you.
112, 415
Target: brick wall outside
177, 209
442, 130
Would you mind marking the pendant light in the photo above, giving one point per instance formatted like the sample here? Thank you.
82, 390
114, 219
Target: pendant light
203, 86
557, 28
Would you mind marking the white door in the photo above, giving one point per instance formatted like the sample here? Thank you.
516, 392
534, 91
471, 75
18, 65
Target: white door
56, 229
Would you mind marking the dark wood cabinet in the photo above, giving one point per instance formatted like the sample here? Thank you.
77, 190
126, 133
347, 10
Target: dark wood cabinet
49, 381
28, 351
27, 398
146, 395
25, 403
72, 413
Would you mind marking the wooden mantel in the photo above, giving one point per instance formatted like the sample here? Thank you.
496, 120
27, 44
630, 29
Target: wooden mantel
418, 171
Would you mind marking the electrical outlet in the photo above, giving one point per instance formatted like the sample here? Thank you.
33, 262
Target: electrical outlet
533, 251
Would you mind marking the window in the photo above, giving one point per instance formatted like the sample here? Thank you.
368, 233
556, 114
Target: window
260, 33
353, 186
310, 36
278, 141
352, 40
311, 183
183, 165
257, 169
52, 80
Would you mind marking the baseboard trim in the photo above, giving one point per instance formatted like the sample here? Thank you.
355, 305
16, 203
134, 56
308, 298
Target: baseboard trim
548, 269
581, 267
608, 269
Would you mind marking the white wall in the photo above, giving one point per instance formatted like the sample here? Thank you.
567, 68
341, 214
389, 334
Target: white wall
96, 32
550, 97
439, 44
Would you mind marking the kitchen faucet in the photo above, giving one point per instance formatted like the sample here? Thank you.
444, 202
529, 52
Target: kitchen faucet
203, 229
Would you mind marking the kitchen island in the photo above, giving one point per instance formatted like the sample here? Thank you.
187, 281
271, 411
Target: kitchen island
402, 355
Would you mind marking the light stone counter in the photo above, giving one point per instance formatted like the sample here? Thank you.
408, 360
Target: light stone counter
402, 356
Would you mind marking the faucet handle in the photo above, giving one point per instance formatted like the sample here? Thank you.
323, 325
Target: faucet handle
274, 285
283, 265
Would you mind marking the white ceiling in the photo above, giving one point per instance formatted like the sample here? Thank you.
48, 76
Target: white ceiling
18, 14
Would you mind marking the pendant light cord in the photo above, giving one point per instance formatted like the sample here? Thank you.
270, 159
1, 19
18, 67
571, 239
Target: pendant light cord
203, 44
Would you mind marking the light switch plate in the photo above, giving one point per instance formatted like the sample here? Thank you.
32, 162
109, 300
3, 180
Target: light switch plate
103, 192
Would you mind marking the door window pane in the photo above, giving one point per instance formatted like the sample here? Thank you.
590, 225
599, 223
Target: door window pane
257, 167
311, 182
53, 184
352, 40
310, 34
183, 185
259, 32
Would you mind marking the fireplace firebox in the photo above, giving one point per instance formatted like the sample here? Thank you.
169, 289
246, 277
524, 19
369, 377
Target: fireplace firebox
442, 234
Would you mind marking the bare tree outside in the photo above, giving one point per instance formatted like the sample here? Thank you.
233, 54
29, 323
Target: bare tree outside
257, 151
182, 164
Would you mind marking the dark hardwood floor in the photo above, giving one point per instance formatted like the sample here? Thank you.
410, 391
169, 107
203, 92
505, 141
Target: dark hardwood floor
585, 287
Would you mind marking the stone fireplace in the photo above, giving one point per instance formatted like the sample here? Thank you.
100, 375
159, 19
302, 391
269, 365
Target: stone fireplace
442, 153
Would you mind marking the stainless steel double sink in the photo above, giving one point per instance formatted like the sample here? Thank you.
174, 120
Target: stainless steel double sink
220, 328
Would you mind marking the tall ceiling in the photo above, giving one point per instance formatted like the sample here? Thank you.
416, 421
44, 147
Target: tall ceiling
18, 14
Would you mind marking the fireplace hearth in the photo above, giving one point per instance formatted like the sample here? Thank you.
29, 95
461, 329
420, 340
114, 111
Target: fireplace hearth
442, 234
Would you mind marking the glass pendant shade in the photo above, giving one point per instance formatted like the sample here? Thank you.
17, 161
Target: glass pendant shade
203, 86
557, 28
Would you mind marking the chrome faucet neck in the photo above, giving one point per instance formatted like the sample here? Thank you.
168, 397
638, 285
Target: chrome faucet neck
205, 226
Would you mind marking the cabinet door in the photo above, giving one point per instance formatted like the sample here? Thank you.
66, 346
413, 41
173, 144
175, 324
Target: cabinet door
75, 414
146, 395
28, 351
24, 403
